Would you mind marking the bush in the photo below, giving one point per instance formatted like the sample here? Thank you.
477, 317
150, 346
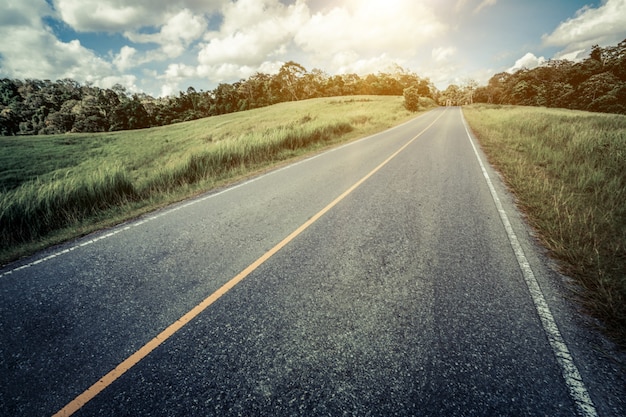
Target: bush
411, 99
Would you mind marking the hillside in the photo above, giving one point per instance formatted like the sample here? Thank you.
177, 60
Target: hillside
60, 186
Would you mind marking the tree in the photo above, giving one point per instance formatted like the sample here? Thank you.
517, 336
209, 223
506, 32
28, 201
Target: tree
334, 86
352, 84
129, 115
225, 99
469, 90
411, 98
313, 83
599, 92
452, 95
289, 77
424, 88
63, 120
89, 117
9, 122
9, 92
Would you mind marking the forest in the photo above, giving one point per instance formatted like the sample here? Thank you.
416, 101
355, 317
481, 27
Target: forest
36, 107
32, 107
597, 83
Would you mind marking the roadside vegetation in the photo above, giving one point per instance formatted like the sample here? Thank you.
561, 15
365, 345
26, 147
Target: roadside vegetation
43, 107
568, 172
57, 187
597, 83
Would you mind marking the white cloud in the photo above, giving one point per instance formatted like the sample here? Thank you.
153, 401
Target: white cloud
128, 81
528, 61
172, 77
105, 16
460, 4
254, 34
31, 50
238, 48
179, 31
483, 4
126, 58
370, 28
604, 25
350, 63
121, 15
576, 55
30, 41
442, 54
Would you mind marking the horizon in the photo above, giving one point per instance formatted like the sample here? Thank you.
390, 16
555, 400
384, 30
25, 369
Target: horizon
162, 50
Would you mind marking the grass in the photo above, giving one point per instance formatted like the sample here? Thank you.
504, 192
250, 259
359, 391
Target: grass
55, 188
568, 172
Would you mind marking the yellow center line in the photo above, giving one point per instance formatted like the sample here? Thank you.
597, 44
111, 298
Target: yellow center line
145, 350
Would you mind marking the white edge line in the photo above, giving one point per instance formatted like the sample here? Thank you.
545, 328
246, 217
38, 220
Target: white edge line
192, 202
571, 375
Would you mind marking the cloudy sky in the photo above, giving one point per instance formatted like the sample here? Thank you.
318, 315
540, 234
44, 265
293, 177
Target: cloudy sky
163, 46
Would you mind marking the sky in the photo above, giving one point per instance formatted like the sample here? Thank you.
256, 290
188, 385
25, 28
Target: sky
161, 47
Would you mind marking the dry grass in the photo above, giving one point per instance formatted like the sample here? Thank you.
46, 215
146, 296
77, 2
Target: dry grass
568, 171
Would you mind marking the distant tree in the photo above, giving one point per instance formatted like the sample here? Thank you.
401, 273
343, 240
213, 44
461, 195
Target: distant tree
452, 95
334, 86
411, 98
289, 77
9, 92
63, 120
600, 92
424, 88
597, 83
89, 117
10, 100
44, 107
225, 99
469, 89
352, 84
9, 122
313, 83
129, 115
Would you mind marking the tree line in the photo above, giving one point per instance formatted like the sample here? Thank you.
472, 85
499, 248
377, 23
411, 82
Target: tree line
32, 107
597, 83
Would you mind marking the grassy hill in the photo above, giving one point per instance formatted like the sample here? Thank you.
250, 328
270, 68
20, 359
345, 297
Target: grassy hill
565, 167
54, 188
568, 171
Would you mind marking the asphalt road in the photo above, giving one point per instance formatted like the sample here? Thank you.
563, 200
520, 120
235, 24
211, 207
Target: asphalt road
383, 278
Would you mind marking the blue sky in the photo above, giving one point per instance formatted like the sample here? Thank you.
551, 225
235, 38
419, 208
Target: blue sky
161, 47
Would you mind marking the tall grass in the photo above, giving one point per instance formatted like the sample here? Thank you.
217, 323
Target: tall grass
39, 207
54, 188
568, 171
250, 149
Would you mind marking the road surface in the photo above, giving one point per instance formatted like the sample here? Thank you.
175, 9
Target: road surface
389, 277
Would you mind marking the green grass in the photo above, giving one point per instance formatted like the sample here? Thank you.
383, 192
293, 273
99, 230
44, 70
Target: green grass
55, 188
568, 171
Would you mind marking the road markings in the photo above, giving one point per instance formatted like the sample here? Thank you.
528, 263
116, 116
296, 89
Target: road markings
571, 375
145, 350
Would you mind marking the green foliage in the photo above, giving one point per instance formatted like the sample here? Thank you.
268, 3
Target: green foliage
567, 171
34, 107
43, 107
41, 206
129, 115
56, 182
411, 98
597, 84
